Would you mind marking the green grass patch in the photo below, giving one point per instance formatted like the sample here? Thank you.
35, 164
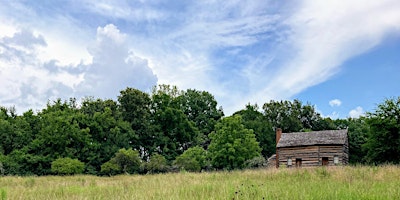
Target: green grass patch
307, 183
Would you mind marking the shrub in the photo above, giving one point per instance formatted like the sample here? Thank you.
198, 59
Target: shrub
125, 160
256, 162
157, 164
110, 168
67, 166
193, 159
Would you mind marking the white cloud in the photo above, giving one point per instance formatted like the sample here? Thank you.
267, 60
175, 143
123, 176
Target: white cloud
357, 112
24, 80
335, 102
28, 82
324, 34
114, 67
239, 51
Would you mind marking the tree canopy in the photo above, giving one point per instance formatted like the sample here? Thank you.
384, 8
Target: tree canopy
171, 129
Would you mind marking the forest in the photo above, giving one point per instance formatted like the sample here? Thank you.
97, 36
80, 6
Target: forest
170, 130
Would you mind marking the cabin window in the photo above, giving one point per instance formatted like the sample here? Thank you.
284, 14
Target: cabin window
336, 160
325, 161
289, 162
298, 162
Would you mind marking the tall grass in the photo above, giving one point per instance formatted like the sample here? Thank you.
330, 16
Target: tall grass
307, 183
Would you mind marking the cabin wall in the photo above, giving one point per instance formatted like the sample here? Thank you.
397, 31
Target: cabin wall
313, 155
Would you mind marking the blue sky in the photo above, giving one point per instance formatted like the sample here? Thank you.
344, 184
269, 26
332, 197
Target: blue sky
342, 57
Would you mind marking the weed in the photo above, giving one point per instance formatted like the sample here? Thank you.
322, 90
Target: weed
3, 194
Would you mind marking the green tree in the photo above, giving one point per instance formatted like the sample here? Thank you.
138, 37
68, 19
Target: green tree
255, 120
108, 132
232, 144
15, 132
135, 107
200, 107
174, 131
292, 116
67, 166
383, 143
178, 133
194, 159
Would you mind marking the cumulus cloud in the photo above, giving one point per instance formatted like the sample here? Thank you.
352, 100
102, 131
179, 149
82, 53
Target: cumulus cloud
28, 82
239, 51
357, 112
335, 102
114, 67
24, 80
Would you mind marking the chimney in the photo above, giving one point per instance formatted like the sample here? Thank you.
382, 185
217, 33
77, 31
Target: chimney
278, 137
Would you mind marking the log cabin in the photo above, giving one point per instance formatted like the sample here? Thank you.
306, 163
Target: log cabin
308, 149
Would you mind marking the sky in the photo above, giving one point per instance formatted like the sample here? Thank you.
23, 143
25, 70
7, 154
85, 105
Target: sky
343, 57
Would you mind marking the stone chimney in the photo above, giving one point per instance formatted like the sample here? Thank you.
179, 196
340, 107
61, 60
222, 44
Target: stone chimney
278, 137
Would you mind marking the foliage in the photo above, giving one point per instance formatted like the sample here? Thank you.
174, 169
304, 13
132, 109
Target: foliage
67, 166
200, 107
128, 160
156, 164
232, 144
110, 168
383, 144
194, 159
292, 116
255, 120
171, 126
256, 162
135, 108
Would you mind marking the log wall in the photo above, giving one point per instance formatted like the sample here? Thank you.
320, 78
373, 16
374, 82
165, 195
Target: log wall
313, 155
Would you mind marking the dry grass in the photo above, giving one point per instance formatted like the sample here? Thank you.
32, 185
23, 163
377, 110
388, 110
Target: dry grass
313, 183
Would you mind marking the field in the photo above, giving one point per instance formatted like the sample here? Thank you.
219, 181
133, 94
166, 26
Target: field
313, 183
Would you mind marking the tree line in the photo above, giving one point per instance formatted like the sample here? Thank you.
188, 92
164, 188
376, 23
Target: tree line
171, 130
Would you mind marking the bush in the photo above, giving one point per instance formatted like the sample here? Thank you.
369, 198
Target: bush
194, 159
110, 168
157, 164
125, 160
256, 162
67, 166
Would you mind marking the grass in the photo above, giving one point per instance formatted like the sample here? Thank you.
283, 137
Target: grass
312, 183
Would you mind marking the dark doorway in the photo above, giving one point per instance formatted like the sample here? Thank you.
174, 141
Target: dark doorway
325, 161
298, 162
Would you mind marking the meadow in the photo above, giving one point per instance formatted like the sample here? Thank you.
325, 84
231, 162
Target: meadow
307, 183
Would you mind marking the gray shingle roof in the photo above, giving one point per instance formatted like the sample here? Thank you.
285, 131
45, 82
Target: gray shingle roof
313, 138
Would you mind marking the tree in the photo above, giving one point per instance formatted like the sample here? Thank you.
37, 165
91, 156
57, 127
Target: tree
135, 108
200, 107
383, 144
232, 144
108, 132
173, 130
292, 116
178, 133
255, 120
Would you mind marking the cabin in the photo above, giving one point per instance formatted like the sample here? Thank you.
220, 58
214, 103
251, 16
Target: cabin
309, 149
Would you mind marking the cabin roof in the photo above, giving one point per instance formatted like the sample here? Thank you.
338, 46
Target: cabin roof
313, 138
